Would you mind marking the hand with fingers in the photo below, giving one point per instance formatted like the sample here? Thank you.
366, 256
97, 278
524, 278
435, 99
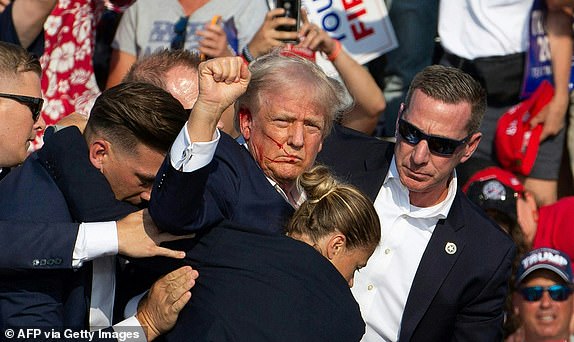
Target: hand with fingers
221, 81
269, 36
138, 237
158, 311
552, 116
213, 41
314, 38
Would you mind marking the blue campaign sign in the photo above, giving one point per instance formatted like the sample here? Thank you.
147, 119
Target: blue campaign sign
538, 65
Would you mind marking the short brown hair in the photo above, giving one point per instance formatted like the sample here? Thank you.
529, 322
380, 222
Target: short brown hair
133, 113
334, 206
15, 59
153, 68
451, 85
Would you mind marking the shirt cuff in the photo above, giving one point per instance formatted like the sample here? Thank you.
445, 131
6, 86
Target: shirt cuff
131, 329
95, 240
132, 306
183, 150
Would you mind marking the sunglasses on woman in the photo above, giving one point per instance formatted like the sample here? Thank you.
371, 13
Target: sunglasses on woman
558, 292
437, 145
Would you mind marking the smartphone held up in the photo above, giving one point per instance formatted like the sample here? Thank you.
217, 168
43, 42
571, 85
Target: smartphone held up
292, 10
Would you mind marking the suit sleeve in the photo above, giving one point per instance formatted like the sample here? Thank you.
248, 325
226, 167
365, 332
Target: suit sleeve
481, 320
36, 245
180, 201
189, 201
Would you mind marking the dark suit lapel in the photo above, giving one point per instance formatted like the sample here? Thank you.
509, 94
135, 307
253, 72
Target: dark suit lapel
434, 267
370, 180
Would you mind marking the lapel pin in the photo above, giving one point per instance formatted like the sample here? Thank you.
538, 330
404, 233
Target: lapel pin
450, 248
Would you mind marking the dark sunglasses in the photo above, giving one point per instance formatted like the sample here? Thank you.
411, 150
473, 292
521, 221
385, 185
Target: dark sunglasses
558, 292
180, 30
437, 145
34, 103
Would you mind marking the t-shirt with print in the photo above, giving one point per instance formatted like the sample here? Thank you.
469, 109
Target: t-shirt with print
147, 26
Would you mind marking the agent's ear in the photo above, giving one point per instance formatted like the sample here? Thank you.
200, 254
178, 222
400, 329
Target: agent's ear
99, 150
245, 121
335, 245
471, 146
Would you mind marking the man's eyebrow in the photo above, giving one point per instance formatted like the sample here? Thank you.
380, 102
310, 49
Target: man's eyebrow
146, 177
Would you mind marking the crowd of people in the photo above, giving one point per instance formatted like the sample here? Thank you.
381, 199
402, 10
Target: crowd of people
221, 186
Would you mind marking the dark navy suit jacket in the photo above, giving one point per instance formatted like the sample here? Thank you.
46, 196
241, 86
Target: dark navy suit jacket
232, 187
452, 297
255, 284
54, 299
265, 287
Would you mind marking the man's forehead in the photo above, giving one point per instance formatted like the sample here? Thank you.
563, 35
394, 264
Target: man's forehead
21, 83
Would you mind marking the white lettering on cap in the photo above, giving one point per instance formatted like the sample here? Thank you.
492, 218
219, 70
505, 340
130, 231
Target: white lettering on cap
550, 257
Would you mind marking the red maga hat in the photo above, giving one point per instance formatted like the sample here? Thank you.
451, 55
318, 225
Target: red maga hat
516, 144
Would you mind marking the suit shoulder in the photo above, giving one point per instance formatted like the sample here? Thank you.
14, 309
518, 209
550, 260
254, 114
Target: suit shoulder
481, 224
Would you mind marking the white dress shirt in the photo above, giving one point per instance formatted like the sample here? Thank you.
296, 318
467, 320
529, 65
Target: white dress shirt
382, 287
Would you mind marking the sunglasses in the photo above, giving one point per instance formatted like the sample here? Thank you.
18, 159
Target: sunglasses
558, 292
34, 103
437, 145
180, 30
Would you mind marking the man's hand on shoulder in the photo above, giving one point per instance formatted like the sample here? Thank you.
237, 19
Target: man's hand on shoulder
139, 237
158, 311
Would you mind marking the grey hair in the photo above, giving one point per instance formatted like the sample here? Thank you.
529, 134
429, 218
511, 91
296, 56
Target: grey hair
278, 72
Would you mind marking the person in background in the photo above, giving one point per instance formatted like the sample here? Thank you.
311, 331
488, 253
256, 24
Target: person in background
543, 296
22, 22
176, 71
395, 70
149, 25
493, 49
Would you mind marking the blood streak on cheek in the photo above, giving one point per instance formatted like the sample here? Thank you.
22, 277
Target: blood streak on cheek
280, 146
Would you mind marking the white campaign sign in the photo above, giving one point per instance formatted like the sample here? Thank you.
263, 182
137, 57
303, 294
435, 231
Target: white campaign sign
362, 26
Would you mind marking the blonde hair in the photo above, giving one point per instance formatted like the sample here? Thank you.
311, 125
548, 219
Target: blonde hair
333, 206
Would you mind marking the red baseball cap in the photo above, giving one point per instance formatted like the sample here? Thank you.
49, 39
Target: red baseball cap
516, 144
494, 188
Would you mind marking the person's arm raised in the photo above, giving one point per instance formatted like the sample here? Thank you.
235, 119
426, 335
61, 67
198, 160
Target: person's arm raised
221, 82
29, 17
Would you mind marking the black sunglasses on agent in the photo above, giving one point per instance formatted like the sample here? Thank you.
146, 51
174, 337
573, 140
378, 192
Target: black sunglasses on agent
34, 103
558, 292
180, 30
437, 145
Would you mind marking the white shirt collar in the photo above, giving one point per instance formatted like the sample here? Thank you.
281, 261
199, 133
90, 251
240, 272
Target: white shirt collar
439, 211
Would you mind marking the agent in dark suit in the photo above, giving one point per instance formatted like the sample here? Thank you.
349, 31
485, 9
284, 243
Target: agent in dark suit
130, 129
29, 245
441, 271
